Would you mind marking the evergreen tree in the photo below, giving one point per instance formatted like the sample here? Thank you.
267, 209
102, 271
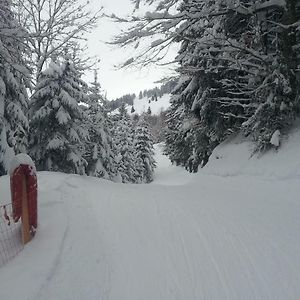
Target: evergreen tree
276, 84
238, 70
123, 111
99, 148
149, 112
143, 144
58, 124
125, 152
14, 78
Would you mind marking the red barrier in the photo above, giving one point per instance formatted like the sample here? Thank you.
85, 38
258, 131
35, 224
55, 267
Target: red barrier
23, 182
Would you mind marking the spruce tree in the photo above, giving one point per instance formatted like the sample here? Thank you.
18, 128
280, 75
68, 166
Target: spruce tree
238, 67
58, 124
99, 148
14, 78
276, 84
125, 152
143, 144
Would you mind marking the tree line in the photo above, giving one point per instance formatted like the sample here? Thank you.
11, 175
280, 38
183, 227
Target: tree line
158, 92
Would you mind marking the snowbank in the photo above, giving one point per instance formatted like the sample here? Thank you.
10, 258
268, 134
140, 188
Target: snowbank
235, 157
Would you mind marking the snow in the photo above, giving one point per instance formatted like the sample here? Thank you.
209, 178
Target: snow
21, 159
7, 152
235, 158
141, 105
230, 231
275, 139
55, 143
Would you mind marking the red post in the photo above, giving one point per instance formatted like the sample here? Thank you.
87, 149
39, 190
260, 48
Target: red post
23, 182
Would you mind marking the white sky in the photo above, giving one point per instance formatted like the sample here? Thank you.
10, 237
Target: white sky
118, 82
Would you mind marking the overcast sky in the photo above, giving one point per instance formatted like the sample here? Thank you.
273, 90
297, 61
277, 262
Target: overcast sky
118, 82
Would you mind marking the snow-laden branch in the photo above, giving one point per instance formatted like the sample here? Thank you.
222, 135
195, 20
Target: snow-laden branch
54, 26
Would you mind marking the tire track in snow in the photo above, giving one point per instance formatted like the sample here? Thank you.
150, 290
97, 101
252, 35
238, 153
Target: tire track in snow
58, 257
80, 255
194, 226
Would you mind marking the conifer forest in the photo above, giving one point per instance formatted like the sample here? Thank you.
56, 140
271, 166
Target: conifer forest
237, 73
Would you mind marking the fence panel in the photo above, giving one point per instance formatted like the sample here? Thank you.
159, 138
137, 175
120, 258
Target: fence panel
10, 235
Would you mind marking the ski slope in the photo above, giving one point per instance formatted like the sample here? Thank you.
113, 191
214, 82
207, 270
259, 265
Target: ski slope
142, 105
211, 235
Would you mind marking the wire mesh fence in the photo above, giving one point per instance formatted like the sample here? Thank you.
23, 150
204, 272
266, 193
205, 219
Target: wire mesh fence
10, 235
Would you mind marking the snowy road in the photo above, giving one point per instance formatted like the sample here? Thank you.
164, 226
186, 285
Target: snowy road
185, 236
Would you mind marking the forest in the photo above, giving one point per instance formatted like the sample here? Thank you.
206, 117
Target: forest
237, 72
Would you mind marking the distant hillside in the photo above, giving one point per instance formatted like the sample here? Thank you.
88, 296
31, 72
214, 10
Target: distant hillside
158, 92
144, 104
116, 103
157, 99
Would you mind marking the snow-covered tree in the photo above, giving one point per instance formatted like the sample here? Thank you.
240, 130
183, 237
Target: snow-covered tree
143, 145
58, 124
125, 151
238, 66
197, 120
54, 27
99, 149
14, 78
274, 46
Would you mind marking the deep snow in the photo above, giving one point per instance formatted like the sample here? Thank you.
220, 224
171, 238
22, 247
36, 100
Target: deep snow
232, 231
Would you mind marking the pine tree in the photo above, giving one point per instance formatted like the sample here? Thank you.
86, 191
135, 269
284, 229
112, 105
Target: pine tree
196, 119
238, 67
276, 86
143, 144
234, 75
125, 152
99, 148
58, 124
122, 111
14, 78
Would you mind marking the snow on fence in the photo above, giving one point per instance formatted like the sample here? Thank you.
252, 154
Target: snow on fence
10, 235
18, 220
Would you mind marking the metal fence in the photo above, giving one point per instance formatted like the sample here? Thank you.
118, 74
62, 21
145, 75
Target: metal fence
10, 235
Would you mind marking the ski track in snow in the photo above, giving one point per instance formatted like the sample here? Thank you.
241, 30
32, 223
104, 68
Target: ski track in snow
185, 236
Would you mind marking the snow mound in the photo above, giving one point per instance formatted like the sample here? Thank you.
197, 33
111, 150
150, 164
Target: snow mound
235, 157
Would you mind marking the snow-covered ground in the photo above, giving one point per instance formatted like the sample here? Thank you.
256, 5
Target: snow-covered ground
142, 105
232, 231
